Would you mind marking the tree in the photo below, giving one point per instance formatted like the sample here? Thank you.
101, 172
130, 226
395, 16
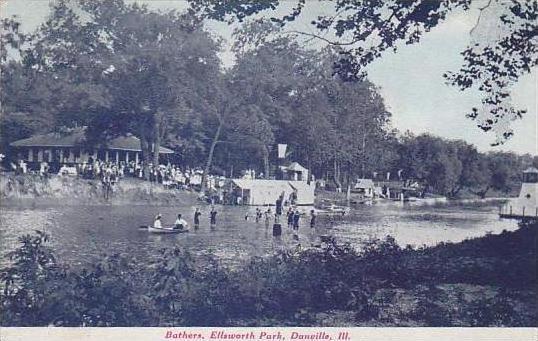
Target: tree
364, 30
475, 174
153, 69
432, 161
495, 62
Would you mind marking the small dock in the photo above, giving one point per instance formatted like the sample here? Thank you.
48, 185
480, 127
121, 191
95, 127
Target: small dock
515, 211
524, 207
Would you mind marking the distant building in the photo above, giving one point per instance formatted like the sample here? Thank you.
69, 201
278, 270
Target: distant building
295, 172
71, 147
525, 206
365, 187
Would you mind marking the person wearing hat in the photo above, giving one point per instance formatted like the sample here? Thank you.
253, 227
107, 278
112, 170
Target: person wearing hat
157, 222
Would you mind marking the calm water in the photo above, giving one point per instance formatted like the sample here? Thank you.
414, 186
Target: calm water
82, 233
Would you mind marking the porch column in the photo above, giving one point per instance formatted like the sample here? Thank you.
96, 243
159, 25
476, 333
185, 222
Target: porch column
127, 156
117, 156
106, 156
50, 155
71, 155
40, 155
30, 155
136, 157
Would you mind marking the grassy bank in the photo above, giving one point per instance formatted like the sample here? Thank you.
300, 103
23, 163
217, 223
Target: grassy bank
33, 188
488, 281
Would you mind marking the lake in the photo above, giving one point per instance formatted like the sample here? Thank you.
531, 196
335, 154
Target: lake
80, 234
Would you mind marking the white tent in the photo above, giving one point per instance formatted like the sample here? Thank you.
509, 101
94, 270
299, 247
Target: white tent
365, 186
266, 192
305, 192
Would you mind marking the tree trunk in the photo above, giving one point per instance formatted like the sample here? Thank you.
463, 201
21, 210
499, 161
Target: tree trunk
265, 152
482, 193
156, 145
210, 157
337, 174
145, 147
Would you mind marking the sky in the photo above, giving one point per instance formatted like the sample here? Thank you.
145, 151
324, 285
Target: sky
409, 80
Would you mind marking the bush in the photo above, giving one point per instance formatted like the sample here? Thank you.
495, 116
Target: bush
291, 286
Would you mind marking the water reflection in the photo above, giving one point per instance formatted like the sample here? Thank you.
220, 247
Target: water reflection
80, 234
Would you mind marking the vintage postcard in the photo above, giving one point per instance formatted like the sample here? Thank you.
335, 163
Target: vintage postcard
268, 170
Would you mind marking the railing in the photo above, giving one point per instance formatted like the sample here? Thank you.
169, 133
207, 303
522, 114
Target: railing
515, 211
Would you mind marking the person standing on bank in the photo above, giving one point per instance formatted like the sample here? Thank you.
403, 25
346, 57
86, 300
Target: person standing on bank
213, 217
197, 215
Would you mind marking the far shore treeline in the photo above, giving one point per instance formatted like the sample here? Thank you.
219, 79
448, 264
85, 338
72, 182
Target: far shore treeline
121, 68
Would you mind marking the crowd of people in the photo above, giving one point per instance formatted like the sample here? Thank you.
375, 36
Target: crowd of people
171, 176
293, 217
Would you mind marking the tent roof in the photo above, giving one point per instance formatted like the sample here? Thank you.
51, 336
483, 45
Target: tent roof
260, 183
76, 138
530, 170
296, 167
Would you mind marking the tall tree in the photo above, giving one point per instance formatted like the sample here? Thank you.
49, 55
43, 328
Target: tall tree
366, 29
152, 68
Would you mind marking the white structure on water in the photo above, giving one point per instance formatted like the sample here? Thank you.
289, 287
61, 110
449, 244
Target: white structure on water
266, 192
525, 206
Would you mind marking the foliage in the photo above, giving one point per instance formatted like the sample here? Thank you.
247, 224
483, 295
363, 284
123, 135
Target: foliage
364, 30
448, 166
291, 286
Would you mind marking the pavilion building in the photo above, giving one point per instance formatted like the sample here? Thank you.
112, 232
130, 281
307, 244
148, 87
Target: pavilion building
71, 147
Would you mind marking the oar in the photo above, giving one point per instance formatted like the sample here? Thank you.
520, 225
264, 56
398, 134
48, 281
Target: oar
143, 226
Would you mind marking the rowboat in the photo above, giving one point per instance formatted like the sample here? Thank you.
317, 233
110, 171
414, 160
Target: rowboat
333, 210
164, 230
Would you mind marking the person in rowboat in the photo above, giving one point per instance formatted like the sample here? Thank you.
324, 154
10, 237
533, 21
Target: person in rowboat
180, 223
157, 222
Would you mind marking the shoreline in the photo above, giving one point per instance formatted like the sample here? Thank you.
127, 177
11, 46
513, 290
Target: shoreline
384, 285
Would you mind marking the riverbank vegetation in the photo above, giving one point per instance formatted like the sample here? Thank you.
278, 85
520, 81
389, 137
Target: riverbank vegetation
488, 281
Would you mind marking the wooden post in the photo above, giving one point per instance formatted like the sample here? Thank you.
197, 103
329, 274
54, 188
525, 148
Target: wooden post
106, 155
136, 157
523, 210
117, 156
126, 156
